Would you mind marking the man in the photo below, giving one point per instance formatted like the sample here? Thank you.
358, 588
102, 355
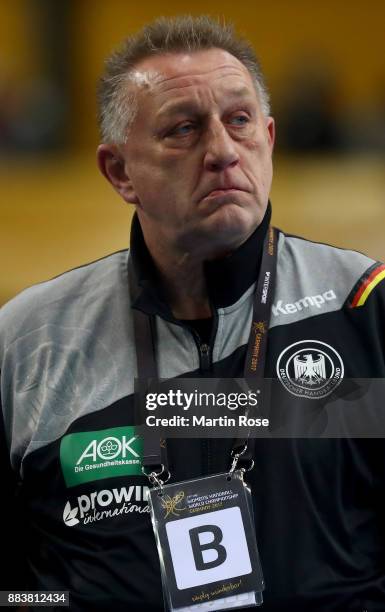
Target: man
187, 139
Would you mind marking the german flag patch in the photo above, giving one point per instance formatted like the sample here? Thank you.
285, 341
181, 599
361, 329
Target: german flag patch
366, 285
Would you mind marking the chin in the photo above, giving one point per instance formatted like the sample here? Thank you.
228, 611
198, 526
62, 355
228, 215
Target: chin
224, 230
236, 223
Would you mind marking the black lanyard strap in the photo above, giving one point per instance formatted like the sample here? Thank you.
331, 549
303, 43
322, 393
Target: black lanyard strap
263, 299
254, 368
145, 342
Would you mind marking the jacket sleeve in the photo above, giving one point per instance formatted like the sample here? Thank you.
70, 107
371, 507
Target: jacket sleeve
13, 567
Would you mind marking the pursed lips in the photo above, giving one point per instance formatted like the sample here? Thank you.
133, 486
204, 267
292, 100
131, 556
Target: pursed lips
219, 190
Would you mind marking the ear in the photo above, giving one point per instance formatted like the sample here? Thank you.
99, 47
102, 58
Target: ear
112, 165
270, 127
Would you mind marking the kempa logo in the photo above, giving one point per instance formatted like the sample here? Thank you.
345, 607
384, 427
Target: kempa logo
305, 302
91, 508
92, 455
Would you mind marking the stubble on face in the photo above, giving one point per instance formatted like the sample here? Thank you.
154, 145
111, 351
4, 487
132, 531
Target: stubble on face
183, 182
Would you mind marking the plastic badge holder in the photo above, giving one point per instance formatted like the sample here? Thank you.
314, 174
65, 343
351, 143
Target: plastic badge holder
205, 535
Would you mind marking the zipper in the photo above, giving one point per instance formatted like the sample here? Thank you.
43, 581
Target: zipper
204, 349
204, 352
204, 357
205, 364
209, 442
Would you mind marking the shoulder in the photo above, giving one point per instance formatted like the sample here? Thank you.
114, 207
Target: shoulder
309, 255
61, 297
315, 278
314, 262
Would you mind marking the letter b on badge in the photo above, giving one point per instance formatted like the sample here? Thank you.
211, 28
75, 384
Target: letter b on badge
214, 545
209, 547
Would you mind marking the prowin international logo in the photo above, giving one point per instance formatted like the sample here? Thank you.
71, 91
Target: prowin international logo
106, 504
92, 455
306, 302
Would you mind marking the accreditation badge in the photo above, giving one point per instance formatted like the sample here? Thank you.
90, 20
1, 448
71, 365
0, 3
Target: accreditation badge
206, 542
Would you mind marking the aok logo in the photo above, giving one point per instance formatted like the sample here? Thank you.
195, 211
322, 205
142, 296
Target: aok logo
93, 455
97, 505
110, 448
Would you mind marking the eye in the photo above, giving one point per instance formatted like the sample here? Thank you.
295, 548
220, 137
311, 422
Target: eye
239, 120
183, 129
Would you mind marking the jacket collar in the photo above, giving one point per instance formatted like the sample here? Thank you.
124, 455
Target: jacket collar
227, 278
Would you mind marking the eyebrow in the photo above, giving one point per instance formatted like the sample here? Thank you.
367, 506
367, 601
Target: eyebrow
189, 106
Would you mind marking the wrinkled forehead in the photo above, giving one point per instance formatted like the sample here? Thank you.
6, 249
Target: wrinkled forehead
175, 71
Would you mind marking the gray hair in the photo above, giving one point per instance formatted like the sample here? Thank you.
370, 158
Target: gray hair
117, 101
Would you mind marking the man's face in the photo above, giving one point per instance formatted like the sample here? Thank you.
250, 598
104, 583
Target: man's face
198, 153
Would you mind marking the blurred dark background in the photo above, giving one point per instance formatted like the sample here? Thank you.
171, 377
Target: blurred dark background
325, 68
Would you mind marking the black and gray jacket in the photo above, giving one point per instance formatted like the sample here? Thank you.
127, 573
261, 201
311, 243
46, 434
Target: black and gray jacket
80, 517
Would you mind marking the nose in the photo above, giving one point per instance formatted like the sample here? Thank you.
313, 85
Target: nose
220, 152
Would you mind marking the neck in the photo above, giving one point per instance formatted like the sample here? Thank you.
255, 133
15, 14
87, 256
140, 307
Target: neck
182, 273
183, 281
180, 267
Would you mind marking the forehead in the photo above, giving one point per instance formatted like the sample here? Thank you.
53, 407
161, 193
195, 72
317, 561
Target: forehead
170, 72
